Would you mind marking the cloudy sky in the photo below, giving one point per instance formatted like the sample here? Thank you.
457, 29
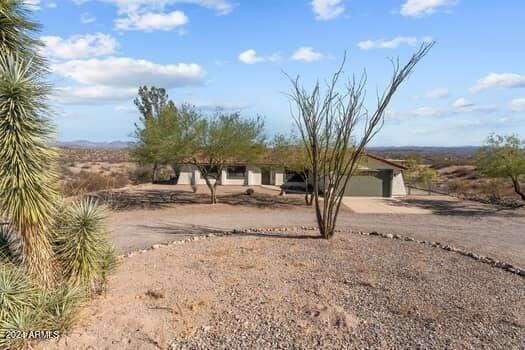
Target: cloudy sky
232, 55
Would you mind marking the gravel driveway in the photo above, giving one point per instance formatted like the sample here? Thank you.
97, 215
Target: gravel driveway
497, 234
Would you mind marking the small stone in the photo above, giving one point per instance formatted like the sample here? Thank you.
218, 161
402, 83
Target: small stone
156, 246
389, 235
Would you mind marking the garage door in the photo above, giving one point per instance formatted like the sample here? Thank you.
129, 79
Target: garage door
370, 184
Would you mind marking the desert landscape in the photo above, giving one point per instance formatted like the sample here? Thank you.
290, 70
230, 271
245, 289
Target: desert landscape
219, 174
253, 272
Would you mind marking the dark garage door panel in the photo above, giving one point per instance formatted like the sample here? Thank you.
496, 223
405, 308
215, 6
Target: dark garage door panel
376, 185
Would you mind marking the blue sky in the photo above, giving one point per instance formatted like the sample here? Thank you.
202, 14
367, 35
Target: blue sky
231, 54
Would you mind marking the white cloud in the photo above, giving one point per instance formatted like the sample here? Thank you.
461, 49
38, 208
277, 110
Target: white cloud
87, 18
32, 4
222, 7
79, 46
437, 93
51, 5
462, 103
129, 72
307, 54
426, 112
392, 43
250, 57
218, 106
150, 21
327, 9
499, 80
95, 94
417, 8
517, 105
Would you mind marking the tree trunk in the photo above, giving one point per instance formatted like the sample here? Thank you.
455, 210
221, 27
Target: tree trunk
154, 173
37, 255
517, 188
213, 189
308, 197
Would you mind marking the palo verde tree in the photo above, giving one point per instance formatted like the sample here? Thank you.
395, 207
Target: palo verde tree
289, 153
224, 138
27, 177
504, 157
328, 123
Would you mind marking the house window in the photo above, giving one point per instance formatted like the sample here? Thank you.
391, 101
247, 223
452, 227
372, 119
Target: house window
236, 172
212, 171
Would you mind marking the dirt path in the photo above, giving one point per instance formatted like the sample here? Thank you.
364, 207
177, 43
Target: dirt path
483, 230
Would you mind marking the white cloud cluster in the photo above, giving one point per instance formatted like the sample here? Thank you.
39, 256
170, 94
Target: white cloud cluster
418, 8
437, 93
150, 15
250, 56
326, 10
129, 72
79, 46
307, 54
426, 112
392, 43
117, 78
499, 80
517, 105
152, 21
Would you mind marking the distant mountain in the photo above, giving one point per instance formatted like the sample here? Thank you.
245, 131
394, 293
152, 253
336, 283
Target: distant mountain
92, 144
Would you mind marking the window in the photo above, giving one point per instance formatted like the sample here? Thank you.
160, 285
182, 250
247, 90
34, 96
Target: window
236, 172
212, 171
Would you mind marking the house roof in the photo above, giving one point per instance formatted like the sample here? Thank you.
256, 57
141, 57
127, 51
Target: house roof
386, 161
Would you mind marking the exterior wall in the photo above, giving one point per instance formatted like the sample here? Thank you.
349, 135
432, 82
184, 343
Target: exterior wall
398, 184
278, 178
186, 175
254, 176
189, 174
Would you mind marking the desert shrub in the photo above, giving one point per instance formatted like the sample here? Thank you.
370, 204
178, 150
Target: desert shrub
141, 175
86, 182
82, 244
58, 309
250, 191
24, 307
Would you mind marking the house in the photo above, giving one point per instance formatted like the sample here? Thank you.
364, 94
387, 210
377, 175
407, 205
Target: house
377, 177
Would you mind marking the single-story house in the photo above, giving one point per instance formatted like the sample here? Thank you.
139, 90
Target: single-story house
377, 177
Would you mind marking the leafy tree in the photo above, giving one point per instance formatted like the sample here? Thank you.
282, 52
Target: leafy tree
220, 140
27, 177
289, 153
156, 112
427, 176
327, 122
504, 157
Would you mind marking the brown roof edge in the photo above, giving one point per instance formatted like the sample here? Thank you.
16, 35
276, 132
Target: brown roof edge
384, 160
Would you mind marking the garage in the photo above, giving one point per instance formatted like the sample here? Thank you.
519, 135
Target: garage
370, 183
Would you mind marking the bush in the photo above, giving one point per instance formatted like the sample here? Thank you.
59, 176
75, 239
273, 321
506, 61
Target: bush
25, 308
82, 244
250, 191
58, 309
141, 175
86, 182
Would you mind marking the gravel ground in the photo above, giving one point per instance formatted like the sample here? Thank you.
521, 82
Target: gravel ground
271, 291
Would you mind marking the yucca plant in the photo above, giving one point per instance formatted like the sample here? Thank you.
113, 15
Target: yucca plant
21, 323
5, 246
17, 293
58, 309
27, 178
82, 244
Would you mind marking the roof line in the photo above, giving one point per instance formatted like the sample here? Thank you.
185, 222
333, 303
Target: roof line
384, 160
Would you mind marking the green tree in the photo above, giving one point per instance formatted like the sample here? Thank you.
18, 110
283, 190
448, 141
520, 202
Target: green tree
289, 153
222, 139
157, 112
504, 157
27, 178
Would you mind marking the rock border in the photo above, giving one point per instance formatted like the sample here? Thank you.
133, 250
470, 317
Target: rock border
514, 269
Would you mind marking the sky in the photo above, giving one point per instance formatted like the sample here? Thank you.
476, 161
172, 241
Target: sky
233, 55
